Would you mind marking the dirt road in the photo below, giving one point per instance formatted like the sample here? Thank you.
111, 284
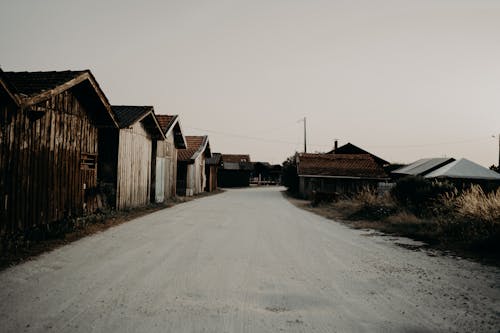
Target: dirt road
246, 261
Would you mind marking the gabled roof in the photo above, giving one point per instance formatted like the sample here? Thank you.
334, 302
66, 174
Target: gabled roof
349, 148
464, 169
165, 121
33, 83
423, 166
128, 115
171, 123
214, 160
339, 166
196, 145
235, 158
6, 89
237, 162
31, 88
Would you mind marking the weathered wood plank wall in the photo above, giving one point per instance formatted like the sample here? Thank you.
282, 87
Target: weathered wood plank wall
196, 179
43, 176
134, 167
167, 152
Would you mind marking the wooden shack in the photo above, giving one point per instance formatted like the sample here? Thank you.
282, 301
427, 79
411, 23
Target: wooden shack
338, 174
49, 150
191, 177
166, 157
129, 161
235, 170
212, 165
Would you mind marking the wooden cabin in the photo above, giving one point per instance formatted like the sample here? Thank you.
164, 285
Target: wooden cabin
50, 123
235, 170
131, 155
212, 165
191, 177
166, 157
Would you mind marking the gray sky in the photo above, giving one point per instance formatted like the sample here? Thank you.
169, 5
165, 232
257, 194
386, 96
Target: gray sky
402, 79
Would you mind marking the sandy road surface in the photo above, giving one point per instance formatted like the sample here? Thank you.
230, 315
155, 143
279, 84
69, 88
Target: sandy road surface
245, 261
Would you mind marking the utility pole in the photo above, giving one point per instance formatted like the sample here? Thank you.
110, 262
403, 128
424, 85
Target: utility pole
305, 136
498, 166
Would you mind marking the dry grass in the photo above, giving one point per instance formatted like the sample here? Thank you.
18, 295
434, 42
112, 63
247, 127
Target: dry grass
467, 223
403, 217
475, 204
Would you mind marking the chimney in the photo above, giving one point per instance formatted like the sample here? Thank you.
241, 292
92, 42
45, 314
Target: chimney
335, 146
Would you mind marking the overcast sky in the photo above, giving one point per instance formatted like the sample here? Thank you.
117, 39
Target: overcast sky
402, 79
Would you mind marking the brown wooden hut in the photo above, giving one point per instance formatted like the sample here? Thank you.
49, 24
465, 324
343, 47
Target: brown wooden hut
235, 170
49, 128
212, 165
132, 149
166, 156
191, 177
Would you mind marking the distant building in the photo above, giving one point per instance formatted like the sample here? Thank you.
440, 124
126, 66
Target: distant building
212, 165
422, 167
337, 173
266, 173
191, 176
350, 149
235, 170
464, 172
166, 156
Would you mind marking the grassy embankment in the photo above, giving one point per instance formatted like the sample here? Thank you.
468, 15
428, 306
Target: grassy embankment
467, 222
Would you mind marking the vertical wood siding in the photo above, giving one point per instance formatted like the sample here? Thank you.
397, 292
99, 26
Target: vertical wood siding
41, 173
196, 179
134, 167
166, 150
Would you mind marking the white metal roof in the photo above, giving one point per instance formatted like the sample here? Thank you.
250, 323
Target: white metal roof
423, 166
464, 169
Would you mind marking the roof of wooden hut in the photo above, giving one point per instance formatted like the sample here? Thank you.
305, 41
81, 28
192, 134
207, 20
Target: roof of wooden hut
196, 145
6, 89
127, 115
349, 148
340, 166
34, 87
171, 123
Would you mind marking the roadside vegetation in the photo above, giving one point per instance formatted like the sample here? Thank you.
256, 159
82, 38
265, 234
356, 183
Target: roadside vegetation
466, 220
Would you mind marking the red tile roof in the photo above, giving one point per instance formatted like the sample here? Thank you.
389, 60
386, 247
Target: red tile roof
194, 144
340, 165
165, 121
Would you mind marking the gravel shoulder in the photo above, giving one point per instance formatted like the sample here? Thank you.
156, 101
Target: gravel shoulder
246, 260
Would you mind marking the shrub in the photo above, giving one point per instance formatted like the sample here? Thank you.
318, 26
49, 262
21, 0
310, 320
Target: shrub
372, 205
475, 204
472, 217
289, 175
419, 194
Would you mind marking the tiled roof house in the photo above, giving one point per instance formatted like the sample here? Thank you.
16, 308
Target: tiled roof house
191, 176
166, 156
337, 173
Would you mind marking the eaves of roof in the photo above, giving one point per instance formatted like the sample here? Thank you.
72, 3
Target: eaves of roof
34, 87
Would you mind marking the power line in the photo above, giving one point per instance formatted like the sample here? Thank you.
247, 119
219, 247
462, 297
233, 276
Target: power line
432, 144
254, 137
297, 143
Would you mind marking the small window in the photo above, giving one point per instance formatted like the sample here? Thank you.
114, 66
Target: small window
88, 161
